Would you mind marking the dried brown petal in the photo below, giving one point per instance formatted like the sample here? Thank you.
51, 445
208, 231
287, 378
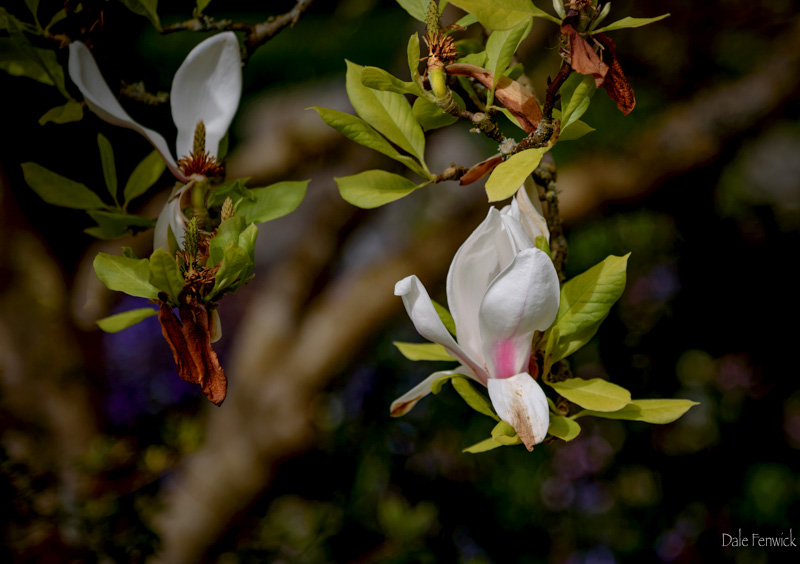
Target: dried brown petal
617, 86
511, 94
481, 169
583, 58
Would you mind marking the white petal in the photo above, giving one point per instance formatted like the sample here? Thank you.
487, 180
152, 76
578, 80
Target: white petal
207, 87
404, 403
517, 234
172, 216
86, 75
520, 402
422, 313
523, 298
479, 260
530, 211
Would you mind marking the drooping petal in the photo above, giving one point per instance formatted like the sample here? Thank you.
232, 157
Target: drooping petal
86, 75
422, 313
522, 299
520, 402
207, 87
476, 263
404, 403
530, 212
171, 217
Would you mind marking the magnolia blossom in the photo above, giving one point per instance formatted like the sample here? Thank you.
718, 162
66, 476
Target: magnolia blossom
206, 90
500, 289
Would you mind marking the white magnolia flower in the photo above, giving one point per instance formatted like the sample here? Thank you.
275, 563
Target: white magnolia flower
206, 89
500, 289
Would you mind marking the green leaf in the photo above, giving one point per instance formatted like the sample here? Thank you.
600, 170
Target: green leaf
500, 48
19, 58
418, 9
445, 316
379, 79
503, 14
233, 189
477, 59
575, 130
247, 241
60, 15
109, 168
235, 267
505, 434
423, 351
33, 6
273, 201
388, 112
483, 446
508, 176
430, 116
362, 133
595, 394
629, 22
576, 101
125, 275
467, 20
585, 303
563, 427
59, 190
227, 233
144, 176
129, 253
111, 225
202, 5
71, 111
374, 188
542, 244
165, 274
437, 384
412, 51
474, 399
146, 8
118, 322
658, 411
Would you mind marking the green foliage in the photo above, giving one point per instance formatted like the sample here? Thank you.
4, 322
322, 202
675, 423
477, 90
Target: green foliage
71, 111
509, 175
233, 271
412, 51
227, 233
430, 116
473, 398
131, 276
373, 188
576, 95
418, 9
146, 8
483, 446
107, 161
563, 427
595, 394
201, 5
165, 274
117, 322
273, 201
503, 14
658, 411
59, 190
144, 176
445, 316
629, 22
585, 303
423, 351
505, 434
379, 79
112, 224
500, 48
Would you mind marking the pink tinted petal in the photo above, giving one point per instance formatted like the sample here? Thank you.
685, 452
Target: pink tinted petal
523, 298
86, 75
476, 263
207, 86
520, 402
404, 403
422, 313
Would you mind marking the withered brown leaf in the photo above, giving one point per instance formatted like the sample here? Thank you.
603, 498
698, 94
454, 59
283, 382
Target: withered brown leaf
478, 171
617, 86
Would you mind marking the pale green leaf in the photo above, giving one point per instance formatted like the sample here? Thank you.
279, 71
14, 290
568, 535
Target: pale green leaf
474, 399
273, 201
575, 130
111, 225
629, 22
227, 233
467, 20
202, 5
574, 103
120, 321
374, 188
563, 427
235, 267
478, 59
146, 8
483, 446
107, 161
585, 303
247, 241
508, 176
60, 15
430, 116
437, 384
71, 111
505, 434
445, 316
388, 112
423, 351
233, 189
542, 244
412, 51
59, 190
501, 46
165, 274
379, 79
595, 394
19, 58
144, 176
503, 14
361, 132
658, 411
124, 274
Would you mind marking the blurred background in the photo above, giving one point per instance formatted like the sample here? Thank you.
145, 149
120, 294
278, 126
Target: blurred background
107, 456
